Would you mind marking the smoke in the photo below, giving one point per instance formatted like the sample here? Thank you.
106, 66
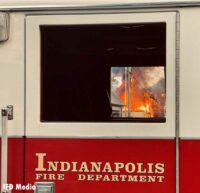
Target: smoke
118, 70
152, 81
159, 87
117, 77
149, 77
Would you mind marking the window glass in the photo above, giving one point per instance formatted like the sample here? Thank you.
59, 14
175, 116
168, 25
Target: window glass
138, 92
103, 73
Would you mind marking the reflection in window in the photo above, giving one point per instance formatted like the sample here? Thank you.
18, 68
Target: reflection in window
138, 92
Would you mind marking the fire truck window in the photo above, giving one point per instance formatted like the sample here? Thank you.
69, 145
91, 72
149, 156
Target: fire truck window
103, 73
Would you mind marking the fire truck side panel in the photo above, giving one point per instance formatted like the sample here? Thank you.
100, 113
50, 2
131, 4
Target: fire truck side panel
189, 74
12, 93
23, 162
189, 100
12, 73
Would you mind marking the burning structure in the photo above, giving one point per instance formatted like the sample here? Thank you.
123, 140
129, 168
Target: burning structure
117, 105
141, 90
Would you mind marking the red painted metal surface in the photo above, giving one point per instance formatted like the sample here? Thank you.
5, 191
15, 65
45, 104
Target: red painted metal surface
189, 166
101, 150
15, 161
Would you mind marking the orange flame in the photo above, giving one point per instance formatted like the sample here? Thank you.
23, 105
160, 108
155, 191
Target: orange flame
142, 101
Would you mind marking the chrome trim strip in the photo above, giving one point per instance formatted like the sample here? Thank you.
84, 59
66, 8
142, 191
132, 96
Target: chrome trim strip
177, 97
4, 148
175, 4
6, 115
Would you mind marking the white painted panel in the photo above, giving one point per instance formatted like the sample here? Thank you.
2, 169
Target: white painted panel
12, 74
190, 73
36, 128
70, 3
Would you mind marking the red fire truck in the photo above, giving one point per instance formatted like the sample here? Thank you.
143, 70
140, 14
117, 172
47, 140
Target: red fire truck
100, 96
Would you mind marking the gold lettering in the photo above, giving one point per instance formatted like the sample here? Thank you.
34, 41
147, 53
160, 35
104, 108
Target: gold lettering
64, 166
74, 166
106, 178
151, 178
160, 178
107, 168
44, 176
123, 177
118, 166
52, 177
81, 177
84, 167
40, 166
130, 167
61, 177
96, 166
143, 178
38, 176
115, 178
160, 168
90, 177
140, 168
150, 169
53, 166
132, 178
98, 177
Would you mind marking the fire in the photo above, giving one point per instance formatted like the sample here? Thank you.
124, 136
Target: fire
141, 100
144, 108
